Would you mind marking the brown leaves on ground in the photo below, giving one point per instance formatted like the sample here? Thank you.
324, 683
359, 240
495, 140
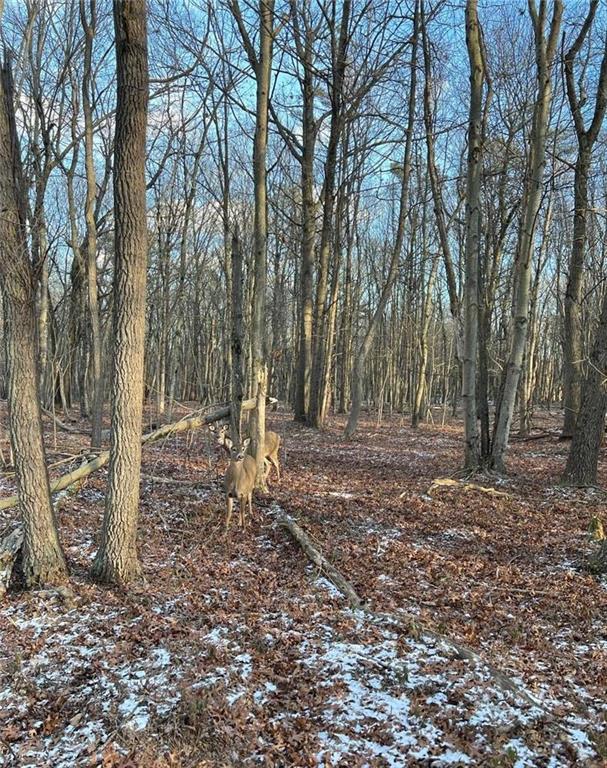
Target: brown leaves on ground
234, 651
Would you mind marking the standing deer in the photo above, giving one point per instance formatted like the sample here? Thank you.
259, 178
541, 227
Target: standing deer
271, 446
239, 480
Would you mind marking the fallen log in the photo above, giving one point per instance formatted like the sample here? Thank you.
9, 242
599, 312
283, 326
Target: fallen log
304, 541
168, 430
61, 424
442, 482
343, 585
11, 544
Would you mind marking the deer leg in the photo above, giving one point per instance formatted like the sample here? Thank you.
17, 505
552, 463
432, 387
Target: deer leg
229, 503
274, 460
243, 502
250, 500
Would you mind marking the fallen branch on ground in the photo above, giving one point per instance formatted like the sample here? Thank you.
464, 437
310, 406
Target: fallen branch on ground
538, 436
442, 482
302, 538
61, 424
10, 546
355, 601
168, 430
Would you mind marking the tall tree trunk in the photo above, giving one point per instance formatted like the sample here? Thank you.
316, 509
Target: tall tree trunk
259, 332
586, 138
317, 393
262, 66
544, 55
236, 340
43, 560
117, 560
91, 227
473, 230
439, 209
308, 236
359, 361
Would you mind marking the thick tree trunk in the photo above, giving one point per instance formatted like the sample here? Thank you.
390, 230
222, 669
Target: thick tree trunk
43, 560
583, 457
572, 330
304, 363
117, 560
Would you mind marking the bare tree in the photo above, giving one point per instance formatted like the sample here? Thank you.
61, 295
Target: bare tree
340, 38
43, 559
116, 560
90, 242
360, 359
262, 66
586, 139
545, 48
473, 231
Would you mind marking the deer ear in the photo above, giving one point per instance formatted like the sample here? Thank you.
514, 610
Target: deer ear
245, 443
229, 444
212, 428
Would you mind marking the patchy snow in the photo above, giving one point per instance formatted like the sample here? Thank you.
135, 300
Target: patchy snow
238, 633
323, 582
74, 661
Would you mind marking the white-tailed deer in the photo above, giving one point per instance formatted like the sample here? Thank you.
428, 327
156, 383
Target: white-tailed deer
239, 480
271, 445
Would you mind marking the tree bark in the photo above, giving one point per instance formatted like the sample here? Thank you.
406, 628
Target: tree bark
304, 363
439, 209
573, 353
236, 341
262, 66
317, 392
473, 230
544, 54
91, 227
116, 560
43, 559
582, 462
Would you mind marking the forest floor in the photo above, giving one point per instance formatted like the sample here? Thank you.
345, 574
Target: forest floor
235, 651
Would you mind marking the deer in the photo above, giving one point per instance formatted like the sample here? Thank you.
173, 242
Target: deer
271, 446
239, 480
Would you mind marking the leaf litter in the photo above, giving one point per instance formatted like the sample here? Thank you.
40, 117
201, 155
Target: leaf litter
235, 651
